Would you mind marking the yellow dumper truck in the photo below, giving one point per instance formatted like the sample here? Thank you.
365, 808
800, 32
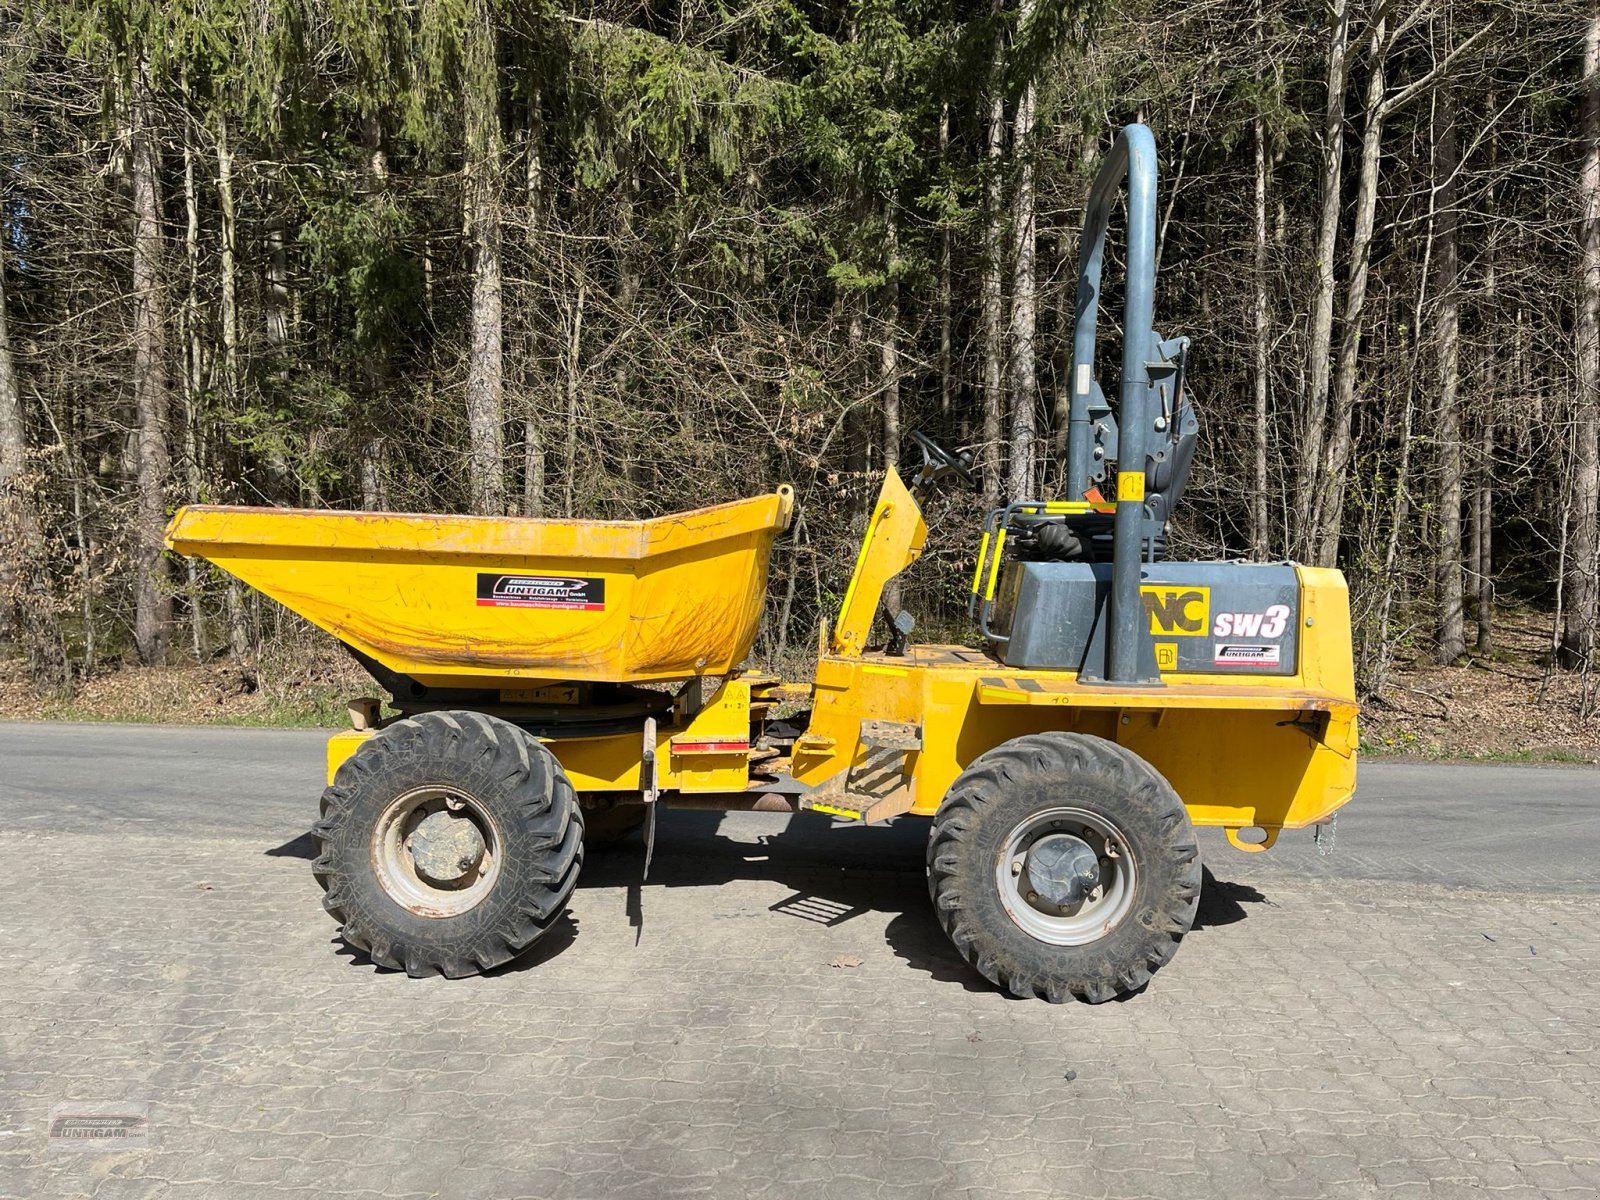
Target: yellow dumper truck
552, 674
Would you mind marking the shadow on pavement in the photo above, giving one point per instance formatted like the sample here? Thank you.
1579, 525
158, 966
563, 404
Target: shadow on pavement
304, 846
833, 875
557, 938
916, 937
1223, 903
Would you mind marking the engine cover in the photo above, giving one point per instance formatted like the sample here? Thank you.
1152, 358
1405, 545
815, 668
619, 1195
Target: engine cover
1203, 618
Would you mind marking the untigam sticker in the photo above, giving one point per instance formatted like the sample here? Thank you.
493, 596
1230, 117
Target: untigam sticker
1237, 654
572, 592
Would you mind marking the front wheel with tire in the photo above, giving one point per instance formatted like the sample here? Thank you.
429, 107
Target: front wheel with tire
449, 844
1064, 865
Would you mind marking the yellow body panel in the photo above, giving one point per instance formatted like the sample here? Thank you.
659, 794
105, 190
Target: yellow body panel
1270, 751
664, 599
704, 752
894, 538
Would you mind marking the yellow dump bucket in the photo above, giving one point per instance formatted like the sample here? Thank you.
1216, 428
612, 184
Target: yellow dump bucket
462, 601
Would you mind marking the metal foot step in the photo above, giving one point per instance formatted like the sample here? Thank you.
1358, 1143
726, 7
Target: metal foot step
879, 785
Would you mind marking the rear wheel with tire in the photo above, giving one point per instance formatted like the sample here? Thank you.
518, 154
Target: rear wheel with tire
449, 844
1064, 865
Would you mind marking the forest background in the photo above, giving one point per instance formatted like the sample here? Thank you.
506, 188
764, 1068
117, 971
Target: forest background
614, 260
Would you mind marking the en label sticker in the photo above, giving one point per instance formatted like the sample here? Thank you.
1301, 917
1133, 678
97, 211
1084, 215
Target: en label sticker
541, 591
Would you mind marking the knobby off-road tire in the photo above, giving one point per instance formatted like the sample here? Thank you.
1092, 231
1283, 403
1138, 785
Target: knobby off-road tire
527, 829
1015, 792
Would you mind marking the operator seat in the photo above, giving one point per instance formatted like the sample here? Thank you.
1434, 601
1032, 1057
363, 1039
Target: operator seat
1086, 537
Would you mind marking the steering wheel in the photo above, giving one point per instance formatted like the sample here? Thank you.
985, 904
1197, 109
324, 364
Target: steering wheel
937, 460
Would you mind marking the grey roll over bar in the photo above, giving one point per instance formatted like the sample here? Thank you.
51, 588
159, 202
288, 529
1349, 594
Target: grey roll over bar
1131, 161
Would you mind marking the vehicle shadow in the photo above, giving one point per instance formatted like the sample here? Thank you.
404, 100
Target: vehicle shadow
303, 846
556, 940
834, 876
1223, 903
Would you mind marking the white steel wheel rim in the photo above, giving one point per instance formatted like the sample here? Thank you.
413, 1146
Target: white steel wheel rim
396, 870
1095, 916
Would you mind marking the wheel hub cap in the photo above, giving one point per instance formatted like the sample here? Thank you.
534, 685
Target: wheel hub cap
1062, 870
1065, 876
446, 846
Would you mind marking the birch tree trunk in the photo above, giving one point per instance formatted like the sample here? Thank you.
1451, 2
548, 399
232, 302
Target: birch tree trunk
193, 381
485, 365
229, 272
946, 286
228, 286
1319, 335
19, 527
370, 436
276, 323
573, 356
277, 313
1481, 539
1452, 642
889, 360
889, 368
1400, 505
994, 400
533, 448
1260, 538
27, 608
1480, 536
1328, 513
1583, 591
152, 596
1024, 309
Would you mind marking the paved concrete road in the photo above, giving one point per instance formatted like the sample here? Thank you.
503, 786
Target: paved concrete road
1414, 1014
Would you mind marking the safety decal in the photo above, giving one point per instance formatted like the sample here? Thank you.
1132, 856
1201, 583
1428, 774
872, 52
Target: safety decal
1235, 654
1166, 656
1269, 624
541, 591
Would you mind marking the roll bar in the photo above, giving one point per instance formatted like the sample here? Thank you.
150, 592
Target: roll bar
1131, 162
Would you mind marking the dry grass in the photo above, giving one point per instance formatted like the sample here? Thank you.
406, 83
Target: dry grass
1508, 706
298, 688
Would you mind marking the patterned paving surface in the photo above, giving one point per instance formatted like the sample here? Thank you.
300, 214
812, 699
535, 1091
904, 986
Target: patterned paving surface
1319, 1034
